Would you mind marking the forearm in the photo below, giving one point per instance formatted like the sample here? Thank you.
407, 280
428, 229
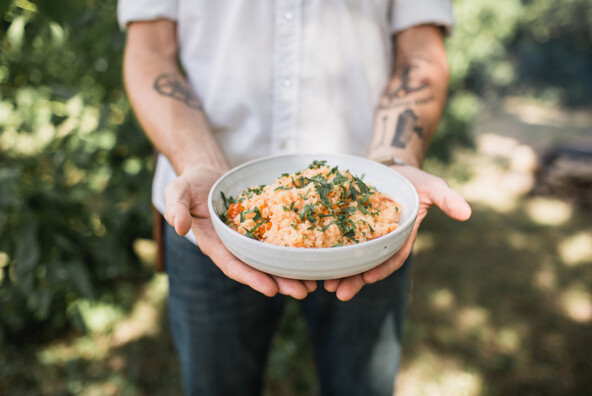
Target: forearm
169, 112
412, 104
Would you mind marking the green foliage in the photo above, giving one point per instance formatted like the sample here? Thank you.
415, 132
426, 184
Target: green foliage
74, 168
478, 65
554, 51
540, 48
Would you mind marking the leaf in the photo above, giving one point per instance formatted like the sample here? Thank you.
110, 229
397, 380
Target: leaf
26, 255
80, 277
4, 4
58, 11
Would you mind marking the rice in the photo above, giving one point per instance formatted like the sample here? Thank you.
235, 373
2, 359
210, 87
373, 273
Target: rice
318, 207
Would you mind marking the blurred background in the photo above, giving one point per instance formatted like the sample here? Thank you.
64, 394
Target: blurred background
501, 305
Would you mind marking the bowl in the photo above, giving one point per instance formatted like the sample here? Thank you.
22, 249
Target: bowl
313, 263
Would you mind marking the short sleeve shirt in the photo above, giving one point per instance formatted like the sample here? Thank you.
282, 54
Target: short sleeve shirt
286, 76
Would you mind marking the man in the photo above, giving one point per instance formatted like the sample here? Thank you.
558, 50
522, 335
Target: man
270, 77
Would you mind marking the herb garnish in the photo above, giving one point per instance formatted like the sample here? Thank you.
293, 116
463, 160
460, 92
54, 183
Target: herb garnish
317, 164
346, 186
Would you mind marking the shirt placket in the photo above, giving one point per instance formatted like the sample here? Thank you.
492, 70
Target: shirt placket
286, 74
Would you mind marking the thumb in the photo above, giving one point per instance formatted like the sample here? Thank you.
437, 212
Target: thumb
177, 203
451, 203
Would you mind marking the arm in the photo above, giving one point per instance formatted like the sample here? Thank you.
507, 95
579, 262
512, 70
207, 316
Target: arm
412, 104
406, 120
173, 119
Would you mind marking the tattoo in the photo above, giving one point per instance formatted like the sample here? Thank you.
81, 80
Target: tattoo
407, 125
169, 84
407, 103
423, 101
405, 88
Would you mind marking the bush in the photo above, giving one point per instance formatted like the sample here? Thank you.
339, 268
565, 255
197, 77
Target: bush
74, 168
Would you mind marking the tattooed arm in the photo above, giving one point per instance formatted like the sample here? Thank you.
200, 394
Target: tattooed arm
412, 104
169, 112
173, 118
405, 123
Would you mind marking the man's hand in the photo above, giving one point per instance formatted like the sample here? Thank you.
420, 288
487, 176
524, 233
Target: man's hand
432, 191
186, 208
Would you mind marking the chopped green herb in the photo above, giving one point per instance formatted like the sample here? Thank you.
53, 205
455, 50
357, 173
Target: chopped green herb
364, 198
257, 226
256, 190
224, 217
305, 195
339, 179
323, 189
254, 210
317, 164
307, 211
362, 209
325, 228
363, 187
251, 235
353, 193
227, 201
350, 235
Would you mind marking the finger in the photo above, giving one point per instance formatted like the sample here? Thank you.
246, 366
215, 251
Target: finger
291, 287
394, 263
241, 272
451, 203
331, 285
233, 267
310, 285
177, 204
349, 287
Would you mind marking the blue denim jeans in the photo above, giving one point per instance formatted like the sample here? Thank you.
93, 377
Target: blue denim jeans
222, 329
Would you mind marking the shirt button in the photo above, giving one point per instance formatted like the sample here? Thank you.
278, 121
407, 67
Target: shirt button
287, 82
288, 16
283, 144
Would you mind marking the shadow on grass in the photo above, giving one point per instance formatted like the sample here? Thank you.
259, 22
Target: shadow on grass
494, 296
94, 365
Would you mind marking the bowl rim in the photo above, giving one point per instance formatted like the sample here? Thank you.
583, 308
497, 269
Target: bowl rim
300, 250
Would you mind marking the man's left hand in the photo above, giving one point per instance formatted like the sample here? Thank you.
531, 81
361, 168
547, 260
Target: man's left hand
432, 191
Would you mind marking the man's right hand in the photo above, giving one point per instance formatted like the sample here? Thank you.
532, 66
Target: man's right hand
187, 208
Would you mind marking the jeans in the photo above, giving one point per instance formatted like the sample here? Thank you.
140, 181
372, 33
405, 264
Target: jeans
222, 329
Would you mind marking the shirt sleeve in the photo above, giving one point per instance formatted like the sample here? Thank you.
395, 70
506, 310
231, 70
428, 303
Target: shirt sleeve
145, 10
408, 13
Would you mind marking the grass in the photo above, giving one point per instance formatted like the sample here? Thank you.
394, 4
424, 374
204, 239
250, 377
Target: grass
501, 305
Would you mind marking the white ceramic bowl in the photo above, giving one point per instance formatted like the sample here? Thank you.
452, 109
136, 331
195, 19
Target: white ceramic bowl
313, 263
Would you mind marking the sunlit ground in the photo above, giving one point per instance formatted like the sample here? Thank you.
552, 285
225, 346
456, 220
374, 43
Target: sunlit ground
501, 305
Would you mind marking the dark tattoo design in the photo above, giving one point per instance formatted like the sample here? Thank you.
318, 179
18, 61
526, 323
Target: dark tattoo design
405, 87
407, 125
170, 84
423, 101
407, 103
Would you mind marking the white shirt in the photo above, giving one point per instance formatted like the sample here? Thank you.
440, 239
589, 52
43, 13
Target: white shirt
284, 76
